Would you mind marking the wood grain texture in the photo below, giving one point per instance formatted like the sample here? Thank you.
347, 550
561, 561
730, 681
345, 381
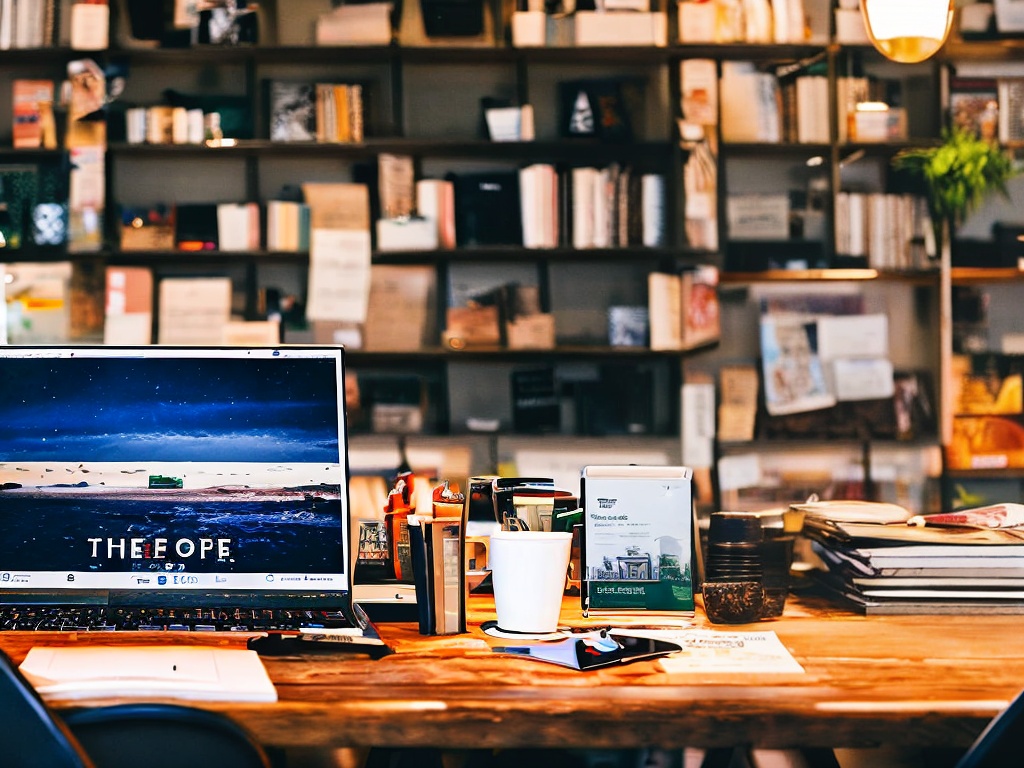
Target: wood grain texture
908, 680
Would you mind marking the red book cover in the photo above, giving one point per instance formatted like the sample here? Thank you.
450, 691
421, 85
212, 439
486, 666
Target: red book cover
28, 96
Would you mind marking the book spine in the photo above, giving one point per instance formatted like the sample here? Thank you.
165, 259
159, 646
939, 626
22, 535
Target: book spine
421, 572
355, 111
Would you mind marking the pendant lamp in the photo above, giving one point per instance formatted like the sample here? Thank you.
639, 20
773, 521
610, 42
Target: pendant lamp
907, 31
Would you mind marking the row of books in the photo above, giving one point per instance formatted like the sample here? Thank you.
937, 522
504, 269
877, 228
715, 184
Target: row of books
759, 106
884, 560
193, 227
990, 107
586, 207
890, 231
537, 206
323, 112
28, 23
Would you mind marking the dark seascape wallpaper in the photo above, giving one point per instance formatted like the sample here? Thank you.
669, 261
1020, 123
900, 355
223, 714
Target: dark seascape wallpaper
171, 465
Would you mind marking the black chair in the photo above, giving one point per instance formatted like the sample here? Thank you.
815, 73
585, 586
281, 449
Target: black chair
163, 736
1001, 744
30, 736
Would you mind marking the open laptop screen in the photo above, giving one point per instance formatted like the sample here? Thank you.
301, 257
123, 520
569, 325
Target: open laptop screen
167, 469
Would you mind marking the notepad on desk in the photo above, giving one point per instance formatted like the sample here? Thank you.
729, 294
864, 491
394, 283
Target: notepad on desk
194, 673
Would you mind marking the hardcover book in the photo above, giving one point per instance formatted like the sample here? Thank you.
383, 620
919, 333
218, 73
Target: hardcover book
487, 208
30, 99
292, 111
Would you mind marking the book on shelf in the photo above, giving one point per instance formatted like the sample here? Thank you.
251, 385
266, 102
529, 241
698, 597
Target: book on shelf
739, 387
535, 400
812, 115
653, 207
193, 310
699, 305
1011, 109
751, 104
128, 311
538, 204
487, 208
90, 25
850, 91
238, 226
355, 24
287, 226
396, 185
435, 201
683, 307
620, 27
32, 105
293, 111
698, 81
613, 206
400, 308
886, 229
27, 23
323, 112
974, 105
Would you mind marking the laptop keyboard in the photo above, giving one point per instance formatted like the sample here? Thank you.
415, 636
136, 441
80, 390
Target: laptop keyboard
106, 619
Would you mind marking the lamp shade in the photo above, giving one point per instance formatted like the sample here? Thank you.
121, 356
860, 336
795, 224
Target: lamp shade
908, 31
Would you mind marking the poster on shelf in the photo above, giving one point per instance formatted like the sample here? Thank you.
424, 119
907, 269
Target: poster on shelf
794, 379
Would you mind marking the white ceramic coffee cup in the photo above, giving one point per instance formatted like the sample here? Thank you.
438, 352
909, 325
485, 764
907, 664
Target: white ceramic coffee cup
528, 571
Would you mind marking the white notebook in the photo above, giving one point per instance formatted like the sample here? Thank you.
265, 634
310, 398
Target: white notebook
194, 673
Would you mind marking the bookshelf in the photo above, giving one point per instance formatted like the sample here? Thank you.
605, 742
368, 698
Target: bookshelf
423, 100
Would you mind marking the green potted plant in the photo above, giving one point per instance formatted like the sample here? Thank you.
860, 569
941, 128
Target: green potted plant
957, 174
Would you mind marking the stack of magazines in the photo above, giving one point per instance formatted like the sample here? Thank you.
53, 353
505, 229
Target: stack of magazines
885, 560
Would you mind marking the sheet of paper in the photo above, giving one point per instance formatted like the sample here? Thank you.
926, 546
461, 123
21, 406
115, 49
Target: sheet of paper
339, 275
739, 471
707, 650
180, 672
863, 378
194, 310
698, 428
848, 335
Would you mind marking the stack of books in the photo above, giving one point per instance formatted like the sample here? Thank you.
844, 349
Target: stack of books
884, 560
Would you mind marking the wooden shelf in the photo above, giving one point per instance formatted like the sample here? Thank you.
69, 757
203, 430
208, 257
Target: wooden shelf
488, 253
967, 275
563, 151
499, 354
827, 275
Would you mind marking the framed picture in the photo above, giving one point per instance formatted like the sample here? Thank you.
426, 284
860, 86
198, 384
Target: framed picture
638, 538
974, 105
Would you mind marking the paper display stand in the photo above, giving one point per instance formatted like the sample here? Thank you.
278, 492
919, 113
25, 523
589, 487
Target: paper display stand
638, 538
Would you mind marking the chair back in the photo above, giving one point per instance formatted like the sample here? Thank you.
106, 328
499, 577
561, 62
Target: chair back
1001, 744
30, 736
158, 735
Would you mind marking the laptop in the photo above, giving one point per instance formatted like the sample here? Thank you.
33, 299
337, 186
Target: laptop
176, 488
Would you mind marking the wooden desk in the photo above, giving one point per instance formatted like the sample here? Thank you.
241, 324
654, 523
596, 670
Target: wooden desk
908, 680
